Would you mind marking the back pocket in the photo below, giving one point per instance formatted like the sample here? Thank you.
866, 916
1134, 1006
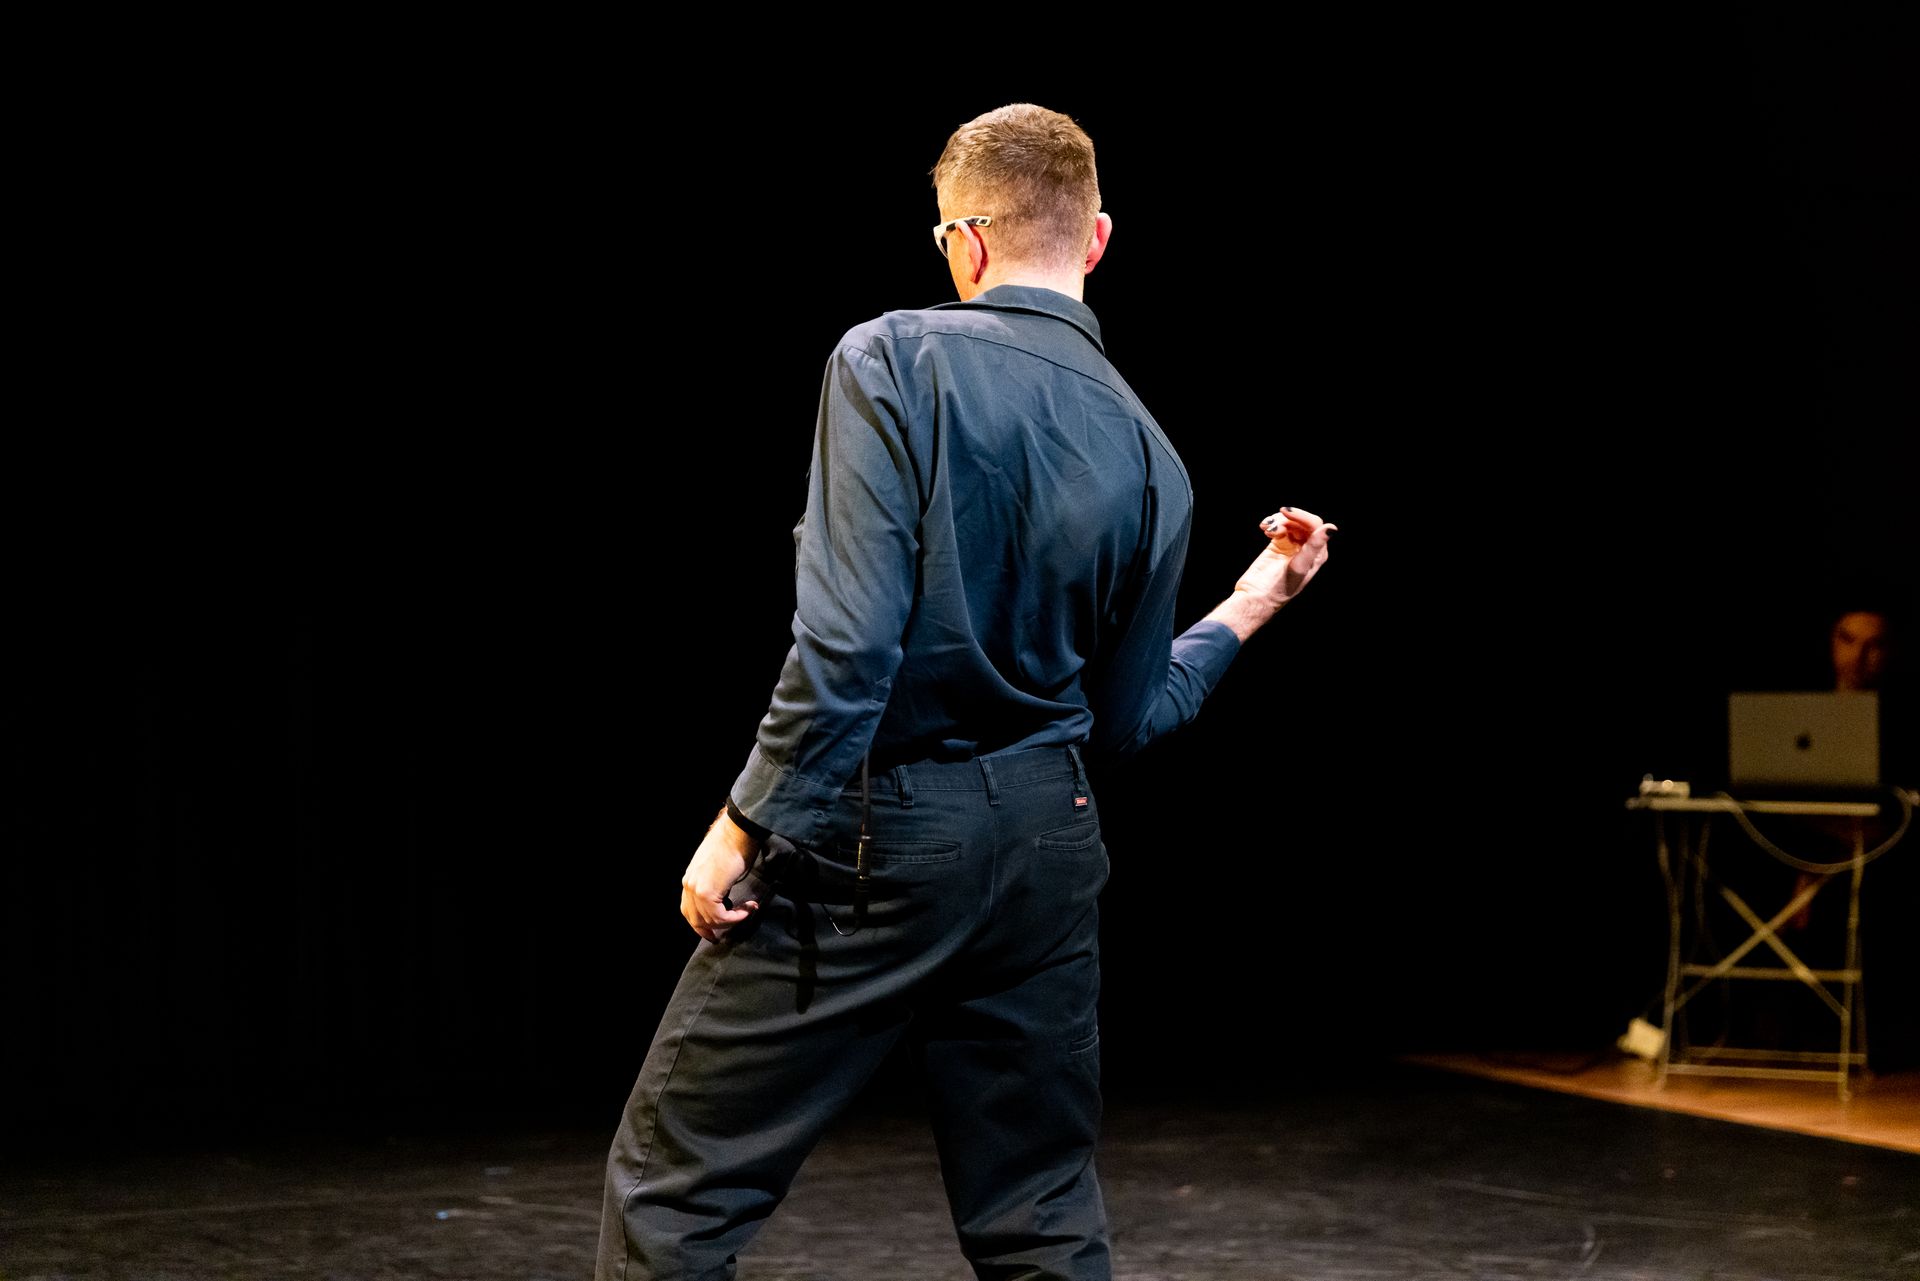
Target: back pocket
897, 853
1078, 838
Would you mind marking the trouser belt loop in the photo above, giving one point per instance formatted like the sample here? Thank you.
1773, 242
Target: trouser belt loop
986, 770
903, 787
1081, 801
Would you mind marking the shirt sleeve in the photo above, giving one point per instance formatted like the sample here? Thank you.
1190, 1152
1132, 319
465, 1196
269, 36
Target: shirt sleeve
1152, 682
855, 575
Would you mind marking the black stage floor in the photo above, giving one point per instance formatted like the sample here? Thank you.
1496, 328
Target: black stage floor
1398, 1173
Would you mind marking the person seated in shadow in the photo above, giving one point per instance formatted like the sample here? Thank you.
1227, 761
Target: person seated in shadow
1860, 648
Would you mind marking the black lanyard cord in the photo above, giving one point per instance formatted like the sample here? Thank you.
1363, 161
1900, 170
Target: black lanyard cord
863, 855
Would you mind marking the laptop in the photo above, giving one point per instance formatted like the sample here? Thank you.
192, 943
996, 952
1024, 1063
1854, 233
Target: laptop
1803, 743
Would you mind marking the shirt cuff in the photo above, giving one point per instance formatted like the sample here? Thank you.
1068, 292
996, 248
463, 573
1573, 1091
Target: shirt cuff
746, 824
782, 801
1209, 648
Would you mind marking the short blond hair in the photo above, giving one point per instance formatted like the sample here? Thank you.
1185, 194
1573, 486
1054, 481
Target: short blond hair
1032, 170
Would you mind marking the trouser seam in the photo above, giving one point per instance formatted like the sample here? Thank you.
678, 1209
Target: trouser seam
653, 1127
993, 844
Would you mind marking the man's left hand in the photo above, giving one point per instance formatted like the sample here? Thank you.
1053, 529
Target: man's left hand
721, 860
1296, 549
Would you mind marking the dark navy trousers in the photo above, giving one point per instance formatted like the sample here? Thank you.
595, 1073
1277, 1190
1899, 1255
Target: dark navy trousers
980, 943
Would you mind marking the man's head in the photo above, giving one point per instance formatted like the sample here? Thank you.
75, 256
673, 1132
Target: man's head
1031, 170
1860, 643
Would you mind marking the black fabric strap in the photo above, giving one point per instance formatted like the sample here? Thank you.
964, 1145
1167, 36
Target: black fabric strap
863, 847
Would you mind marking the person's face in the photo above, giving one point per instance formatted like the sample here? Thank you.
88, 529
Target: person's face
1859, 651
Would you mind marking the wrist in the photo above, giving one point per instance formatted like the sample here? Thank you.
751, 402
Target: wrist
745, 824
739, 831
1245, 612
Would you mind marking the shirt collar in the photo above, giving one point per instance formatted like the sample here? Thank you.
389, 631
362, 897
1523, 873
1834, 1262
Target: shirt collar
1033, 298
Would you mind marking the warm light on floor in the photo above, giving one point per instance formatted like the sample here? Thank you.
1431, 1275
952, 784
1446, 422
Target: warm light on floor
1884, 1110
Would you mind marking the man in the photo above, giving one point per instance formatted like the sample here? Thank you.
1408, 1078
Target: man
986, 575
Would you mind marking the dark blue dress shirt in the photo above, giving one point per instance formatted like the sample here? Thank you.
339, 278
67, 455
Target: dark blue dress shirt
992, 545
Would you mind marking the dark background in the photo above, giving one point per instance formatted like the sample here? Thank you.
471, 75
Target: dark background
409, 571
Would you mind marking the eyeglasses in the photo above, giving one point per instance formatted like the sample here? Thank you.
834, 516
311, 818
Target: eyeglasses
940, 230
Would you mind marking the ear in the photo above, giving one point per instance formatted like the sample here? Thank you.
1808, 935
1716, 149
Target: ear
1102, 228
976, 252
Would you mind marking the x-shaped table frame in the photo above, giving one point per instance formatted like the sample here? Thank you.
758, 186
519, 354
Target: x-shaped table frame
1758, 1062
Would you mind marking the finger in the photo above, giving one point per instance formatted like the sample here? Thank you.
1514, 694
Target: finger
725, 921
710, 917
716, 911
1290, 525
1285, 536
711, 930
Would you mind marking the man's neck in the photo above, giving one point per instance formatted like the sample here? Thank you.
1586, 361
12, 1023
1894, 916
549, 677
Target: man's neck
1070, 283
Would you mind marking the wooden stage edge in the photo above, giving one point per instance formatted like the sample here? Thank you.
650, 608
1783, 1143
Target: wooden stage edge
1884, 1111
